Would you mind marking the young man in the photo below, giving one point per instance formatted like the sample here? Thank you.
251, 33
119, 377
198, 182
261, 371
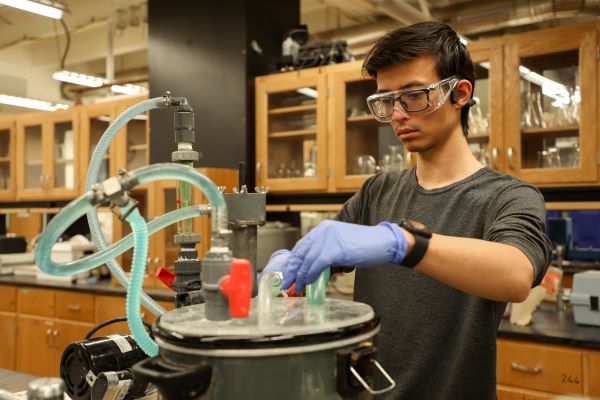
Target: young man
440, 296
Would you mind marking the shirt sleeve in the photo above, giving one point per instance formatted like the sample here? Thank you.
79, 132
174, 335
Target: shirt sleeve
519, 220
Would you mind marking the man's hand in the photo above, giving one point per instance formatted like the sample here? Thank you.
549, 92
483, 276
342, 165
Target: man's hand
276, 262
339, 243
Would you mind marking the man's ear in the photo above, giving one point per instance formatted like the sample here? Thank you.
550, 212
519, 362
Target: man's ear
461, 95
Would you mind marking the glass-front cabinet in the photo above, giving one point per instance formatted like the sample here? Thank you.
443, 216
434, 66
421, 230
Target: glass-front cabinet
485, 116
551, 106
95, 119
291, 124
7, 157
361, 146
47, 155
133, 142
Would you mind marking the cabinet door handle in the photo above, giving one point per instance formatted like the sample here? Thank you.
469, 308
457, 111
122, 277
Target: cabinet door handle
54, 335
509, 154
74, 307
48, 333
258, 169
524, 368
495, 158
156, 261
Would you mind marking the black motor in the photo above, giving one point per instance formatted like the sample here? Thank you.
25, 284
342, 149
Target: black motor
101, 366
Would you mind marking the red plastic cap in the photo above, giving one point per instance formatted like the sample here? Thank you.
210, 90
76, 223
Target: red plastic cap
165, 276
237, 287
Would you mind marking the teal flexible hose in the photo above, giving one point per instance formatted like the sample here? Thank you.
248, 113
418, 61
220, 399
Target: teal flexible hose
138, 267
74, 211
92, 178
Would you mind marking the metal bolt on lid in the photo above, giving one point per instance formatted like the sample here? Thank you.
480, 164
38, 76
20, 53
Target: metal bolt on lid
46, 389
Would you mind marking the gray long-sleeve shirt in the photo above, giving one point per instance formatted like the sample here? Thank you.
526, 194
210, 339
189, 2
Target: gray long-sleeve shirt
438, 342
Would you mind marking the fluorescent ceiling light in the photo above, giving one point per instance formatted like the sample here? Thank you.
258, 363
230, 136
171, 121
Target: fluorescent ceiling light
79, 79
310, 92
550, 88
31, 103
128, 89
47, 9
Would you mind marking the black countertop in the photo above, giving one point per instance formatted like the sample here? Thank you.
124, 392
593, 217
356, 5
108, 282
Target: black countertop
551, 326
103, 286
13, 381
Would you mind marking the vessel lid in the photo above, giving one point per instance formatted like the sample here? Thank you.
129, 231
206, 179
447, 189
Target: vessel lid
290, 321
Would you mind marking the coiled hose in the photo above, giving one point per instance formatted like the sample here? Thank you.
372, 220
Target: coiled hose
92, 178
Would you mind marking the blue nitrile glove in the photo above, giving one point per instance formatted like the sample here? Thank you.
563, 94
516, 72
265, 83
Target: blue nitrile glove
341, 243
276, 262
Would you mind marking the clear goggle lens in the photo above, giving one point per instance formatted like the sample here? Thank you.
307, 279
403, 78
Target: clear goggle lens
423, 100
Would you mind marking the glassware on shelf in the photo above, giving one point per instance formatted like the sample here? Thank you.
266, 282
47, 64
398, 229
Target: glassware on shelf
478, 124
526, 109
310, 165
393, 160
563, 154
364, 164
537, 117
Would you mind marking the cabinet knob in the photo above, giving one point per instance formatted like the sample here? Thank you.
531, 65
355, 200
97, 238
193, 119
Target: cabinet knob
524, 368
54, 336
156, 261
74, 307
48, 335
258, 169
509, 154
495, 158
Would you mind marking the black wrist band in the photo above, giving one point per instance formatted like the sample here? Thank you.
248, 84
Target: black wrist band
417, 252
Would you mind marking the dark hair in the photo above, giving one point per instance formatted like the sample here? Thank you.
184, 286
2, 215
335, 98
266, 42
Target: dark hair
422, 39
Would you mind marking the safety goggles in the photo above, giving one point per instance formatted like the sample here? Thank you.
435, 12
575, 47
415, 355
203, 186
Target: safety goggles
423, 100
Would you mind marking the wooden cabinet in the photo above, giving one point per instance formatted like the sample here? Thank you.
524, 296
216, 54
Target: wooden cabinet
536, 371
133, 141
47, 322
8, 333
356, 138
291, 131
540, 367
36, 325
47, 155
551, 101
8, 173
94, 120
535, 115
8, 326
486, 118
592, 373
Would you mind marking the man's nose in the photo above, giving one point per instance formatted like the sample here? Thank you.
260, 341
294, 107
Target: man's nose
399, 114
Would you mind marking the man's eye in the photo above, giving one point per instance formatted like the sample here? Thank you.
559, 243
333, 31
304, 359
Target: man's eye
413, 96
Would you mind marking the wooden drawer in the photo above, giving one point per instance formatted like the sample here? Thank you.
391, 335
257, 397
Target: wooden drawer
35, 301
592, 374
75, 306
8, 298
547, 368
512, 393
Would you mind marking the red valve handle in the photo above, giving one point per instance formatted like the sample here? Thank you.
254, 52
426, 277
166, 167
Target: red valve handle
237, 287
165, 276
